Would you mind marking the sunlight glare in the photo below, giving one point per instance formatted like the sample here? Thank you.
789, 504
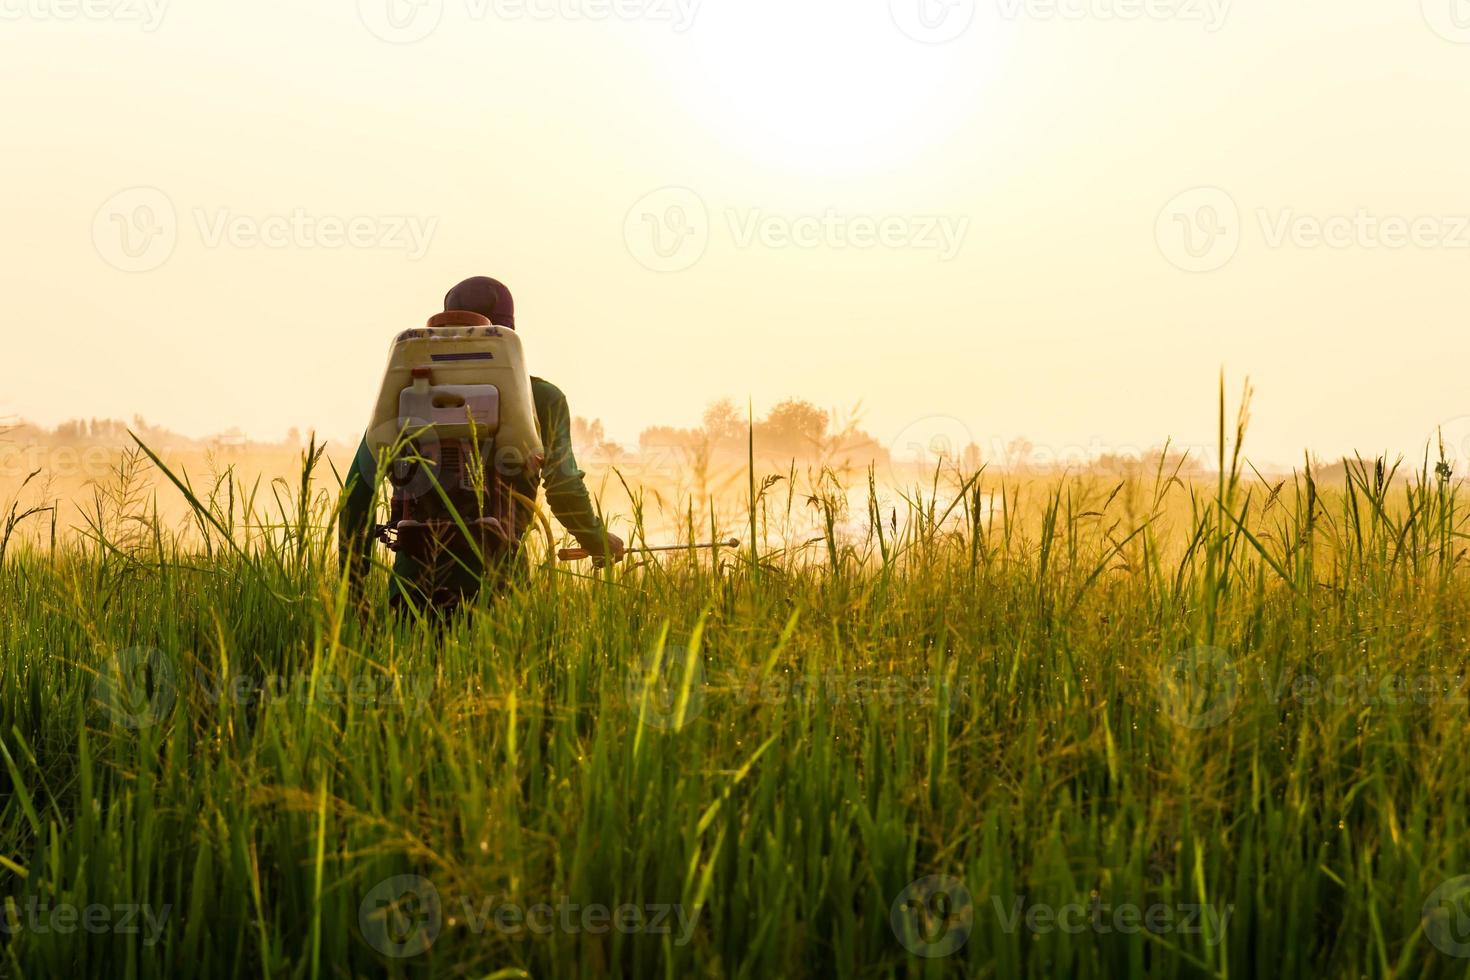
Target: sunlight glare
830, 89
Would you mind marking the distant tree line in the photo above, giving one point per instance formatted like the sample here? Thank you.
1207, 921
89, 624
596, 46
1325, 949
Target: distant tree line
793, 427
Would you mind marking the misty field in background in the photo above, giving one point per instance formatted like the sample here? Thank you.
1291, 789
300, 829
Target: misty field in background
947, 724
81, 469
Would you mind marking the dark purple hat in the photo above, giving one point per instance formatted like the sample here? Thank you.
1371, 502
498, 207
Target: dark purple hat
486, 296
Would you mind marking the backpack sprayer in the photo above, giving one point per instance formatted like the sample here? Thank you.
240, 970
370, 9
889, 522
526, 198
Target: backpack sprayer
454, 421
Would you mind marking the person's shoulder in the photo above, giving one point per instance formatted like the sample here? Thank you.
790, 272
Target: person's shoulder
362, 460
545, 392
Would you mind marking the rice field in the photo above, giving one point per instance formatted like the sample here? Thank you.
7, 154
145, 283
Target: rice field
959, 724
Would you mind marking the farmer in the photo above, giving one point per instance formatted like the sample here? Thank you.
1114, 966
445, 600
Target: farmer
566, 493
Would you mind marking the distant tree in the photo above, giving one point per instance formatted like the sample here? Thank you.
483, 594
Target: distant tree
1020, 453
793, 426
588, 435
668, 437
232, 438
724, 424
590, 441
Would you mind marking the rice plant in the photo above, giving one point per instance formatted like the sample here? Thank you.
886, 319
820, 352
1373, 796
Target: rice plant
978, 725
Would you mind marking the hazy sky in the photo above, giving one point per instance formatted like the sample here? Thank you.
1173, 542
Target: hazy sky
1049, 218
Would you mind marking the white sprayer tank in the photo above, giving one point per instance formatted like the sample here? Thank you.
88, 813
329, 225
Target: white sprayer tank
445, 376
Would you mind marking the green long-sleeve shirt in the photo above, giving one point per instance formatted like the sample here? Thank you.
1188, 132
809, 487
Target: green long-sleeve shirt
566, 495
